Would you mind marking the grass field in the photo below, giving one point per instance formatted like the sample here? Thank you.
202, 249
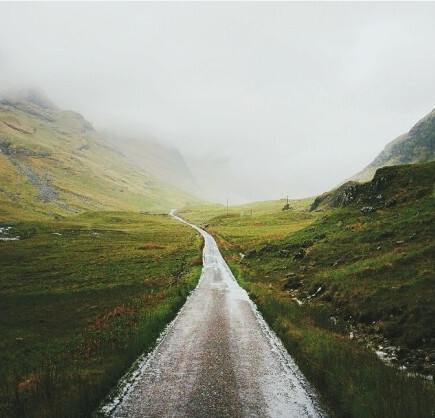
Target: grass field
201, 214
81, 298
317, 276
252, 223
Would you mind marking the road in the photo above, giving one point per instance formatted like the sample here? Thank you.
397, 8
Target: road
218, 358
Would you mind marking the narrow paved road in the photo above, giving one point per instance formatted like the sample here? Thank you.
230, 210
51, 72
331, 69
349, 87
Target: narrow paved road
217, 359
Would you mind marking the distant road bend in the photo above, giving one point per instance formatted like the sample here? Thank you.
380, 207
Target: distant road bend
218, 358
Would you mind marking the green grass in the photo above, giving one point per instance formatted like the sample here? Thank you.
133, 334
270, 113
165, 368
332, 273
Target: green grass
201, 214
352, 380
250, 224
78, 308
375, 272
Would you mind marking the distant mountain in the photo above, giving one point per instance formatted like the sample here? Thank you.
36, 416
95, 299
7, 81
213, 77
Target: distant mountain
53, 162
33, 96
166, 163
416, 146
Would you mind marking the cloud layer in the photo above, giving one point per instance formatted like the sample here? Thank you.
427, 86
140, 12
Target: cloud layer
263, 99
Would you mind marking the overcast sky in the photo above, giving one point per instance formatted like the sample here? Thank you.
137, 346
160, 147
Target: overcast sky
263, 99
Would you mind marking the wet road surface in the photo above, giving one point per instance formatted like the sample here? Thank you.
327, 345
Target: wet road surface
218, 358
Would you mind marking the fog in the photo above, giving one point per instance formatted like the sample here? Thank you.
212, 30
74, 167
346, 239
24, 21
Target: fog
264, 100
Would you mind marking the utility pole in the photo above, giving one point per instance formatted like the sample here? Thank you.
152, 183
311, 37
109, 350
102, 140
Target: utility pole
287, 200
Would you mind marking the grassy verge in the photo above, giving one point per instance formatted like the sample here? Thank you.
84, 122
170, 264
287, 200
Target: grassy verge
352, 380
81, 299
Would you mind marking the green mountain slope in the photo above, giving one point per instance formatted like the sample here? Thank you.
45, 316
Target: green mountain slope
345, 284
53, 162
416, 146
389, 186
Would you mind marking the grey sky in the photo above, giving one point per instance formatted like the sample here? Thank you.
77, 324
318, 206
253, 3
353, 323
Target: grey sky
263, 99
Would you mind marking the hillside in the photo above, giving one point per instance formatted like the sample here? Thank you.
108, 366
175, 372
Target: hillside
384, 227
164, 162
347, 284
53, 162
390, 185
416, 146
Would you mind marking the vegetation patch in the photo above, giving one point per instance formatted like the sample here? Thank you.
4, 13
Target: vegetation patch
81, 299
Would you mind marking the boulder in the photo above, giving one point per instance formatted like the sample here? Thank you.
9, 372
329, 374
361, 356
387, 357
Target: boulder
307, 243
292, 283
299, 254
251, 253
367, 209
284, 253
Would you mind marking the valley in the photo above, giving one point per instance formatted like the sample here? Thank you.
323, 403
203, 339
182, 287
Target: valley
217, 209
93, 269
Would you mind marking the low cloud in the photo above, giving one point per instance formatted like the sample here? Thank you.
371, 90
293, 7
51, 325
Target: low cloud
263, 99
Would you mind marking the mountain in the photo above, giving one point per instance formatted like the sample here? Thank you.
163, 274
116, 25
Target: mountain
164, 162
53, 162
389, 186
416, 146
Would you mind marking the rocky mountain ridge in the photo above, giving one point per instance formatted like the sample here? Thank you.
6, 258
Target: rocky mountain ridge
416, 146
389, 186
